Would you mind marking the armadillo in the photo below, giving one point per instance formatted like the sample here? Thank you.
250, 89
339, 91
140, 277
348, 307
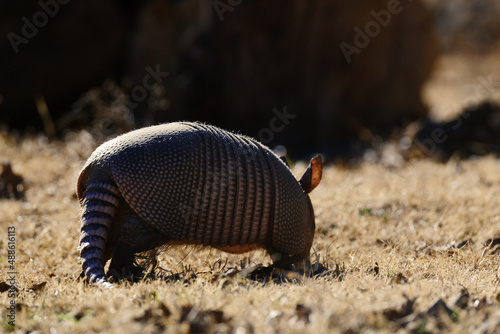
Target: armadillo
191, 183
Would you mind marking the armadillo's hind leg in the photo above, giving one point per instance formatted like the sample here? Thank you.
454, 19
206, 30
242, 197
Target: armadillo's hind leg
100, 202
134, 236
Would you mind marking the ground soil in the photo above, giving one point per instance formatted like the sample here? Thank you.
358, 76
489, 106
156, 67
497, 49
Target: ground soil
405, 247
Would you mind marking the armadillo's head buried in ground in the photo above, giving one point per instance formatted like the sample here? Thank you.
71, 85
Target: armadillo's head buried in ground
298, 258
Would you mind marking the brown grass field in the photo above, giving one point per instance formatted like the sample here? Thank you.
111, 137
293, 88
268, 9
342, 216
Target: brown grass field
407, 248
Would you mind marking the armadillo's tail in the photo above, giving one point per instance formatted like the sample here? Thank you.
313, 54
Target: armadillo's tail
100, 202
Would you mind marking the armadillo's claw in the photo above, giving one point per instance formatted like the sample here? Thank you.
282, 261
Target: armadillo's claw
104, 284
304, 267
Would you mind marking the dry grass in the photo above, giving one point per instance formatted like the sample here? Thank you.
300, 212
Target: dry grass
403, 222
403, 245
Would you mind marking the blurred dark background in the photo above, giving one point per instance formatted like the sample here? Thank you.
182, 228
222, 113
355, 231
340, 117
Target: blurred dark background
317, 75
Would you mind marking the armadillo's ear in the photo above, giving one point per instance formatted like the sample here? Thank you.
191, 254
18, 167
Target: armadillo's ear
311, 177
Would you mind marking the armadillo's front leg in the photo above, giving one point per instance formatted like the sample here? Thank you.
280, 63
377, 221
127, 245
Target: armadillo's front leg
134, 236
299, 262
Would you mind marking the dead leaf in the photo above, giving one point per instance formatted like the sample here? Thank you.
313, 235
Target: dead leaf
479, 304
463, 300
156, 312
4, 286
11, 184
303, 312
200, 321
440, 309
399, 279
393, 314
38, 287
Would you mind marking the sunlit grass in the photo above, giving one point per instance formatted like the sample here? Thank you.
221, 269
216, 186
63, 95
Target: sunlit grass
414, 234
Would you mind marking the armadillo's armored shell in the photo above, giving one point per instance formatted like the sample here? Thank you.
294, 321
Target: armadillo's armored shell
199, 184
